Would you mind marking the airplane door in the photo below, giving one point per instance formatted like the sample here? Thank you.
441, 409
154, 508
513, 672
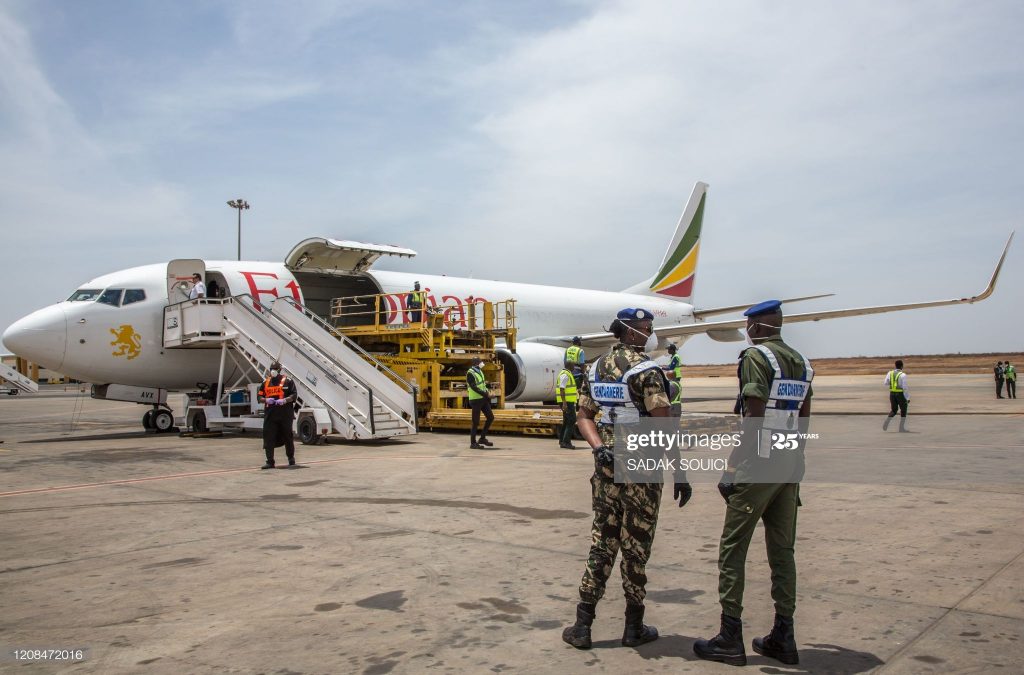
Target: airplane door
179, 278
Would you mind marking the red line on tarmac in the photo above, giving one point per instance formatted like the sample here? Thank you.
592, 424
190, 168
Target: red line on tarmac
213, 472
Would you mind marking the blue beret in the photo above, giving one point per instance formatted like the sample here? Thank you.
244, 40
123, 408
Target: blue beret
766, 307
635, 314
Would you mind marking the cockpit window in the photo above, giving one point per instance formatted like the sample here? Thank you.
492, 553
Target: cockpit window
85, 295
133, 295
111, 296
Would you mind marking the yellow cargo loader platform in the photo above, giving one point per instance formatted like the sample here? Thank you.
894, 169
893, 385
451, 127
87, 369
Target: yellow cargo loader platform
433, 347
526, 421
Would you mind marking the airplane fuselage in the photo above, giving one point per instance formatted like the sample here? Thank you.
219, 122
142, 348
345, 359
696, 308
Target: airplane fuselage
122, 343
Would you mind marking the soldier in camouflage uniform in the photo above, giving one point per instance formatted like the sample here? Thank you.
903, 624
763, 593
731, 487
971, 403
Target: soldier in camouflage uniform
625, 515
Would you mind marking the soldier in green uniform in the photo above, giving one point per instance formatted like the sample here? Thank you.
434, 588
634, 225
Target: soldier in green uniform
626, 514
775, 383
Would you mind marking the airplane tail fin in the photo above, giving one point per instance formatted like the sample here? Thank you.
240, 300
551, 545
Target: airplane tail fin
678, 270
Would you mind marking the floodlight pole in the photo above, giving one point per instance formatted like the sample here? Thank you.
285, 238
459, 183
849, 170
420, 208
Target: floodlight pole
239, 204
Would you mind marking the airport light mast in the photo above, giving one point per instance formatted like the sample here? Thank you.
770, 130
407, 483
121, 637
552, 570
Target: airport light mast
239, 204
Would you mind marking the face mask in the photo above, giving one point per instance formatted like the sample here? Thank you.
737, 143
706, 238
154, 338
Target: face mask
275, 373
750, 340
652, 340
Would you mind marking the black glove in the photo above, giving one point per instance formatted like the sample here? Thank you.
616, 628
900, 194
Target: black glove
603, 456
726, 489
682, 492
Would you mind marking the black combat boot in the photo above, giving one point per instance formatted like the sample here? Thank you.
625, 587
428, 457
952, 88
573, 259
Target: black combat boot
727, 646
780, 644
578, 634
636, 633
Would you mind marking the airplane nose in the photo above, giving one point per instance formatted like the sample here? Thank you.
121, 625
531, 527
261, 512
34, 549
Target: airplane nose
40, 337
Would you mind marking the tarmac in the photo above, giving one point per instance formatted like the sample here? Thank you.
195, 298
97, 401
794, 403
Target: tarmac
164, 554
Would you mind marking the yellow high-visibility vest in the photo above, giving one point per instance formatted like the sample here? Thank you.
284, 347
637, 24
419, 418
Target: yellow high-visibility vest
479, 380
894, 381
571, 395
573, 353
675, 364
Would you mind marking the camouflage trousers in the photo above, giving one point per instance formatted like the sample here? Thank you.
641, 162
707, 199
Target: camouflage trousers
625, 517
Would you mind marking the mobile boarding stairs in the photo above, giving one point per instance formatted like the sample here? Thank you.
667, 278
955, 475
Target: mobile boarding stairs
341, 389
13, 381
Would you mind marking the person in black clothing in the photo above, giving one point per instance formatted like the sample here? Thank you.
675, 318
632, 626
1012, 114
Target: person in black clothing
479, 400
999, 372
278, 394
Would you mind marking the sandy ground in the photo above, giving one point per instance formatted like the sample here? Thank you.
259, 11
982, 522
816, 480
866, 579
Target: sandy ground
934, 364
168, 555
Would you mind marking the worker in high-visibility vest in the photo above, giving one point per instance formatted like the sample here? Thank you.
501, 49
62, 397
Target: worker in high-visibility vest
899, 397
278, 394
575, 358
1010, 373
416, 300
675, 393
479, 401
566, 396
674, 369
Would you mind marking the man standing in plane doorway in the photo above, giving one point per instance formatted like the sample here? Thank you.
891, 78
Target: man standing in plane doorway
623, 385
198, 287
278, 394
899, 396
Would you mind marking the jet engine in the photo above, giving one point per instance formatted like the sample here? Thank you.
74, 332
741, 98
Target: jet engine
531, 370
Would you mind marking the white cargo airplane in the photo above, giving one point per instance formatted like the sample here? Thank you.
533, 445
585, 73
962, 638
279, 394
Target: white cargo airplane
110, 330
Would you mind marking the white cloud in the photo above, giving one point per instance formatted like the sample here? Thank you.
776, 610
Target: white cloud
845, 140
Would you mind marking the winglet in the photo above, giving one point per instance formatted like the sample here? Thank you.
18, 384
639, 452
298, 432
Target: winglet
995, 273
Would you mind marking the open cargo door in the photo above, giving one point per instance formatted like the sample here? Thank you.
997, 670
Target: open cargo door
336, 256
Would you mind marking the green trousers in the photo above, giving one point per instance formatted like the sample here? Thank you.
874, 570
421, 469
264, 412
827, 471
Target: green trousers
775, 504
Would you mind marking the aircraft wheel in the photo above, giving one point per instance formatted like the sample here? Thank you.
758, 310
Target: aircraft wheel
147, 420
307, 431
162, 421
199, 422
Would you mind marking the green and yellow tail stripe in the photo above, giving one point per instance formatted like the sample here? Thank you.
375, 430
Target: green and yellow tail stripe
677, 273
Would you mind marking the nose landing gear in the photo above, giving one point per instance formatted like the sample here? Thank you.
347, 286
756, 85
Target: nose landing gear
158, 420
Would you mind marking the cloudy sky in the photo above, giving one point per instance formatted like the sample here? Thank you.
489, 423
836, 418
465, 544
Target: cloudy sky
870, 149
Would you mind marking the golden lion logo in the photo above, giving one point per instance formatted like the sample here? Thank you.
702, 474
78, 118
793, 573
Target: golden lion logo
127, 341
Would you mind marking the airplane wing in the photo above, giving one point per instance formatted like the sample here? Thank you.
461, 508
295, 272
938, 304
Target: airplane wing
701, 313
724, 328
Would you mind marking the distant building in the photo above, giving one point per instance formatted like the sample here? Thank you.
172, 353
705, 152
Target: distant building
37, 373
